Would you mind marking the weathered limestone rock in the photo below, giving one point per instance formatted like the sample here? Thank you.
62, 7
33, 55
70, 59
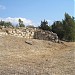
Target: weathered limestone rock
3, 33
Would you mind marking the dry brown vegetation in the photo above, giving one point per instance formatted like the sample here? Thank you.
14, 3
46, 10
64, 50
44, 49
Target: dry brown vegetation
40, 58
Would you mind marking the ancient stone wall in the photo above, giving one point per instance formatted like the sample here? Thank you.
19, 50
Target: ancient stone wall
30, 33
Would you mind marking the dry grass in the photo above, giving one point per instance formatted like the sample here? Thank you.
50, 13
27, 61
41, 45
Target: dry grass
40, 58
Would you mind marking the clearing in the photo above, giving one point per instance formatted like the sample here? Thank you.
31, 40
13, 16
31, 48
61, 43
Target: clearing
37, 57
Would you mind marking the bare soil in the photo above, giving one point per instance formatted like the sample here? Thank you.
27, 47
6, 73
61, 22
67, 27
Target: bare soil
39, 58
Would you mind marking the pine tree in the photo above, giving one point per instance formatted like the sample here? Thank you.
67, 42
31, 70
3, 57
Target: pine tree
57, 28
44, 25
69, 27
21, 23
65, 29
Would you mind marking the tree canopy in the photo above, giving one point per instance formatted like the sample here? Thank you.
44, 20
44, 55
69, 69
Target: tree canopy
65, 29
44, 25
21, 23
6, 24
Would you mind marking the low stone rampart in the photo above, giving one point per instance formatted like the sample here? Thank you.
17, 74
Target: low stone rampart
31, 33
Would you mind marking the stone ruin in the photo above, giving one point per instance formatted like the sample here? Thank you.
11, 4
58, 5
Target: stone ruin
46, 35
30, 33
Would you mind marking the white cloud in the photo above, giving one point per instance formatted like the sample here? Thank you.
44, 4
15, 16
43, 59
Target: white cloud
2, 7
15, 20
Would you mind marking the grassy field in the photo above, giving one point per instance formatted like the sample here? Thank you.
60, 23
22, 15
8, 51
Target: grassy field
40, 58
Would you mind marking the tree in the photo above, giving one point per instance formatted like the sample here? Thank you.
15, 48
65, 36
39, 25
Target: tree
6, 24
65, 29
44, 25
2, 23
21, 23
57, 28
69, 27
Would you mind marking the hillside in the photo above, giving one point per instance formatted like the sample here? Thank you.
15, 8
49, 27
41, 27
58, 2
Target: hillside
38, 58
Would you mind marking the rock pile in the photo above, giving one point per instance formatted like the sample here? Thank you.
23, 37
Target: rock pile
46, 35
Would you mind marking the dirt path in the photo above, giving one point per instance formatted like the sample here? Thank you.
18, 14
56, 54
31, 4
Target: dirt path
40, 58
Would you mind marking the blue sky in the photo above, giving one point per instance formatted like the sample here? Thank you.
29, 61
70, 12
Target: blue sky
33, 11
